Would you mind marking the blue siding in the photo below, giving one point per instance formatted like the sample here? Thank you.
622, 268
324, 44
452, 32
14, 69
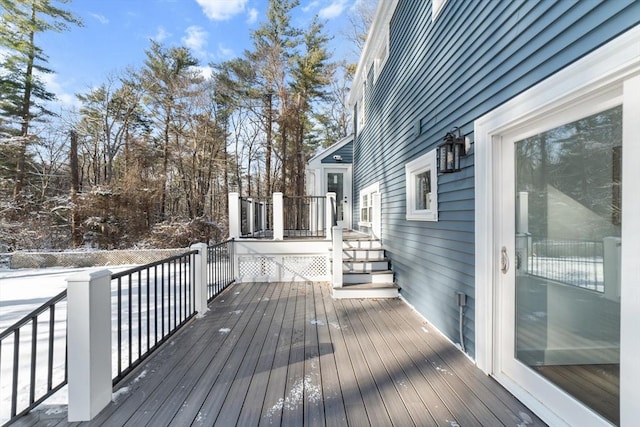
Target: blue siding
345, 151
473, 58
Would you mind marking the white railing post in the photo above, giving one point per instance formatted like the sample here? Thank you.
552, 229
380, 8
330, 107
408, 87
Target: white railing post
337, 257
263, 216
201, 277
313, 215
234, 215
328, 214
89, 344
278, 216
251, 219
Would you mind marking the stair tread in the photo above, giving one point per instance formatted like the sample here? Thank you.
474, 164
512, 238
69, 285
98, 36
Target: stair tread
369, 286
369, 272
365, 259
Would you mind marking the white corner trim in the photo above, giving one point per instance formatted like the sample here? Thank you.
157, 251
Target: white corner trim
436, 8
376, 36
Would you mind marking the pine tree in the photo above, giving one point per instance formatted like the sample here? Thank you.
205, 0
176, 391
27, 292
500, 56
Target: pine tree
21, 88
275, 42
167, 73
311, 74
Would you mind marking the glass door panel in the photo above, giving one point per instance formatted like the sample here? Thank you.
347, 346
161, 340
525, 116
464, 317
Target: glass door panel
567, 266
335, 184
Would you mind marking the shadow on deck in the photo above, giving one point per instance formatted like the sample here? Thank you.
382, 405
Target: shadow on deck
289, 354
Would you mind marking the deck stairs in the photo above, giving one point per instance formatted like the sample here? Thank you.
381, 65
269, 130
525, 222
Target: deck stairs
365, 269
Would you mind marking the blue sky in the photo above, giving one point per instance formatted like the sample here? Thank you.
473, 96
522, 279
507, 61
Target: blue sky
116, 33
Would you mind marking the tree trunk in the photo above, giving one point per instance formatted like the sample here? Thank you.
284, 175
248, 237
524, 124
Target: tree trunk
75, 187
165, 168
267, 165
25, 114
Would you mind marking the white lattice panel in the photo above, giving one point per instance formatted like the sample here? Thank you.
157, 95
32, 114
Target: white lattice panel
257, 267
304, 267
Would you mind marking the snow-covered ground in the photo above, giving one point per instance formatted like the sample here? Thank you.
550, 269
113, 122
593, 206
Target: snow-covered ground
21, 292
152, 305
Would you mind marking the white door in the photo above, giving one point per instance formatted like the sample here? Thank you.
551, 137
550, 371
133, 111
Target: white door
558, 240
338, 180
558, 289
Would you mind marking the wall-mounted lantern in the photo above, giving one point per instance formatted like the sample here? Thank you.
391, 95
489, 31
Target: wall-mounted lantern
337, 157
450, 151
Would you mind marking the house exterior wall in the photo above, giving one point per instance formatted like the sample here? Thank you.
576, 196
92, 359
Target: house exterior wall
448, 72
345, 152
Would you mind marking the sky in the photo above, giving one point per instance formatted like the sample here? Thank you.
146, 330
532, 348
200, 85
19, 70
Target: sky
117, 32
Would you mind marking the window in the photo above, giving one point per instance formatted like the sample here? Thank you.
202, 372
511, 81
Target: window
422, 188
382, 56
366, 204
363, 101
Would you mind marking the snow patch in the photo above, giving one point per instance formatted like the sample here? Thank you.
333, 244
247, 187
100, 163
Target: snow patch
119, 393
56, 410
235, 312
426, 331
334, 325
317, 322
224, 330
141, 376
526, 419
301, 388
441, 369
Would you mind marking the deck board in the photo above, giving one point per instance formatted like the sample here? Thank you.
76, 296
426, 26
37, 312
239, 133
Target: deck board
274, 400
334, 408
216, 371
384, 381
292, 355
478, 391
354, 406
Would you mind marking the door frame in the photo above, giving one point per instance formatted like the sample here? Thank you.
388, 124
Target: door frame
613, 67
347, 185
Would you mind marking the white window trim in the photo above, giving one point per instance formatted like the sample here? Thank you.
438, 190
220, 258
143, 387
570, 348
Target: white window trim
436, 8
603, 70
383, 55
368, 191
426, 162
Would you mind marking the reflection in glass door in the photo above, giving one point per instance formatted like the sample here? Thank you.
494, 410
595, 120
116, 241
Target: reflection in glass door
335, 184
567, 266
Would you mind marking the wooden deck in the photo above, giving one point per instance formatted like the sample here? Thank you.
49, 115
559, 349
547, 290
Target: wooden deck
288, 354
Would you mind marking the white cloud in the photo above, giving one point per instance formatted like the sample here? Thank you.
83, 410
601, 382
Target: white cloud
225, 52
161, 35
196, 39
312, 5
204, 71
100, 18
252, 16
63, 98
334, 10
221, 10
